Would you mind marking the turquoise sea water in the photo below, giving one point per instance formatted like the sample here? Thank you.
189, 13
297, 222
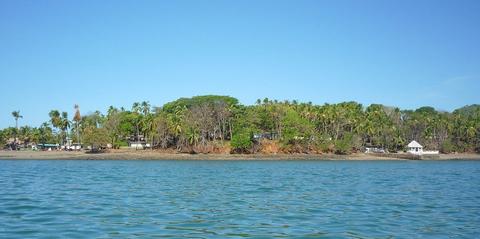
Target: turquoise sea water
239, 199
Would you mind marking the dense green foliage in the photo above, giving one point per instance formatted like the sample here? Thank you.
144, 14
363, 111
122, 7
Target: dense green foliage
242, 142
207, 123
95, 137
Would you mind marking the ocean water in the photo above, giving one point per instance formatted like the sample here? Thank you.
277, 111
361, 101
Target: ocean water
239, 199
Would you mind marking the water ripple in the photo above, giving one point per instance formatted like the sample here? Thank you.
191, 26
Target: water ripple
235, 199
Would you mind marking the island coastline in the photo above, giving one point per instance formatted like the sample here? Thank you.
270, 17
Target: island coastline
158, 155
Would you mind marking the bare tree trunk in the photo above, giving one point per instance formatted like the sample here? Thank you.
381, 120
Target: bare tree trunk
151, 143
15, 135
138, 139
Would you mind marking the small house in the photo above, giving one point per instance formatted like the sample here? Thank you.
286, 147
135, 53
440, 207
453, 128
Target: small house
415, 148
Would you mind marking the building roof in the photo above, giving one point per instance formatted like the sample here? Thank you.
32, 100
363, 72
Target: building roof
414, 144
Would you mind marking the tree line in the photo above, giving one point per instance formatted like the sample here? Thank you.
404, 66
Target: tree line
208, 124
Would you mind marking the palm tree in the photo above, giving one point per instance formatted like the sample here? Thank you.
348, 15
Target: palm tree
111, 110
193, 136
148, 125
266, 100
60, 121
43, 130
26, 134
16, 115
136, 107
55, 118
65, 124
146, 120
145, 107
77, 118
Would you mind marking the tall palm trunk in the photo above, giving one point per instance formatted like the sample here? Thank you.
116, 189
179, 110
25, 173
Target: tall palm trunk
15, 135
138, 138
78, 134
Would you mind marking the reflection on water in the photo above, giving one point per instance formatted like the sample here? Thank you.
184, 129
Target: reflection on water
256, 199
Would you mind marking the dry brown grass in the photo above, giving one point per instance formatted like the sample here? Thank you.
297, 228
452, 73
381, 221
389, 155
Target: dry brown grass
269, 147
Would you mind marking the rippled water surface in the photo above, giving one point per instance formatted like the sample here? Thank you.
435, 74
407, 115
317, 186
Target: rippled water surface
239, 199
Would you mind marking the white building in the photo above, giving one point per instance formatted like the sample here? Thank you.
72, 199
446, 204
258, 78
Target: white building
415, 148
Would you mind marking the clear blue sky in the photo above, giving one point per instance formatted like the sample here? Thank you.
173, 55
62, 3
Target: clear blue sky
54, 54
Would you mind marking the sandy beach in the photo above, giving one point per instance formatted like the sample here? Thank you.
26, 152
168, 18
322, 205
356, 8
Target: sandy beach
156, 155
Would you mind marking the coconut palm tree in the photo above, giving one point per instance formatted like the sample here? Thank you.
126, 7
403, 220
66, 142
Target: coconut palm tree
55, 118
16, 115
77, 118
145, 108
44, 131
65, 124
193, 136
148, 125
136, 107
266, 101
60, 121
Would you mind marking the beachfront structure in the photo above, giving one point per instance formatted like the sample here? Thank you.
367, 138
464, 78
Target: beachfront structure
415, 148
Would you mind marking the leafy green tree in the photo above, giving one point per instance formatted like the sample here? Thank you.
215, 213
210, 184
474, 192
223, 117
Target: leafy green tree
3, 140
296, 130
202, 122
112, 125
97, 138
345, 144
45, 134
242, 142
